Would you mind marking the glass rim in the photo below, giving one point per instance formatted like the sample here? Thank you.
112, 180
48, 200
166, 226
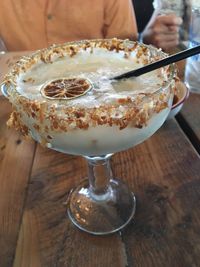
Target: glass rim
7, 83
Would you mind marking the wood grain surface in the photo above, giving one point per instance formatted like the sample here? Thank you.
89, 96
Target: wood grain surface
164, 173
16, 157
164, 231
47, 237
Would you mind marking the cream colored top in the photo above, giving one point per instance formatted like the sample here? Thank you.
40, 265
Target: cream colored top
30, 25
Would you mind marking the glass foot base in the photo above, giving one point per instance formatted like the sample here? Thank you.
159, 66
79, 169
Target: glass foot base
105, 214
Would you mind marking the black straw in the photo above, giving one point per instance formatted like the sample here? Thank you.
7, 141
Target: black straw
161, 63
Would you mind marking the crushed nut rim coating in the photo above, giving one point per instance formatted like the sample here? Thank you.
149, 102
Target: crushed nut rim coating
54, 113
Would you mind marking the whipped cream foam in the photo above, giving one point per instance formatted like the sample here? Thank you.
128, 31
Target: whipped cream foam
97, 66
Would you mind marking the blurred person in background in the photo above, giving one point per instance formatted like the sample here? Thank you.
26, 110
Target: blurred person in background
159, 24
31, 25
34, 24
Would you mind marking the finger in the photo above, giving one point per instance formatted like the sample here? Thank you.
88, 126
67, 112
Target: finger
163, 29
165, 41
170, 19
168, 45
174, 29
167, 37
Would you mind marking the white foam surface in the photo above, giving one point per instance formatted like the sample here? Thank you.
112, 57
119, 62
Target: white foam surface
98, 67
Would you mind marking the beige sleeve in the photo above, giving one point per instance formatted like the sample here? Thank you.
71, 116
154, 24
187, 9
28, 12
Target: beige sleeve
119, 20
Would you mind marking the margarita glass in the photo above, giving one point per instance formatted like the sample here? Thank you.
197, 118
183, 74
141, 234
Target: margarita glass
63, 98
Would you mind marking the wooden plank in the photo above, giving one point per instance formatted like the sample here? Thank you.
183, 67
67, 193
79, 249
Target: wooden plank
47, 237
189, 119
16, 157
164, 172
165, 178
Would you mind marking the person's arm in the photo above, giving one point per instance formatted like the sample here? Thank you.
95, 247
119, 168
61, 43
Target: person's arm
119, 20
162, 31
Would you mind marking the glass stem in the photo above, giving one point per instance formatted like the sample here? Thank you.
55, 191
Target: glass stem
99, 175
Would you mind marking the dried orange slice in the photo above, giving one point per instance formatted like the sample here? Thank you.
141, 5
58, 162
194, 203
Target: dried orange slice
66, 88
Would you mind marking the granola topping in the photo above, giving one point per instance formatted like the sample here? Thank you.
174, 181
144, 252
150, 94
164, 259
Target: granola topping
53, 92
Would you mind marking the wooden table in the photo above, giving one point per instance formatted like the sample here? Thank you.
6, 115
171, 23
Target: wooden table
164, 173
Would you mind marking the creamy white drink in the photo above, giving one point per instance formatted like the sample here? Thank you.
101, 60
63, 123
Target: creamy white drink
63, 96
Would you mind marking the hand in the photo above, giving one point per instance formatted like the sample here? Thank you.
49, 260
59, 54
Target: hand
163, 31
